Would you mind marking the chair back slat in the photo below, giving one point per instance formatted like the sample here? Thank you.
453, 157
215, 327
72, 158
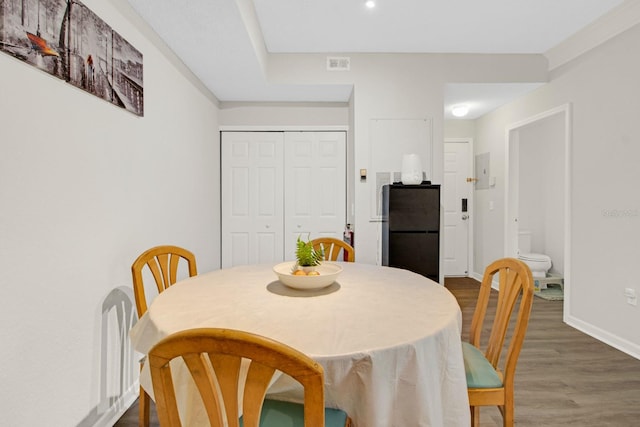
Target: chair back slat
227, 368
166, 403
173, 268
258, 379
158, 272
205, 380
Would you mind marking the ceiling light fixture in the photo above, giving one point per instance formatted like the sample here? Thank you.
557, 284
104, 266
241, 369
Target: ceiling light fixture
460, 110
370, 4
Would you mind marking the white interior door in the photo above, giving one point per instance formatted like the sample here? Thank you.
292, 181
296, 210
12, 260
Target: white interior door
455, 189
252, 197
315, 186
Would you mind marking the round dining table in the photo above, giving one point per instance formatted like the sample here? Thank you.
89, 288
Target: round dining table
387, 338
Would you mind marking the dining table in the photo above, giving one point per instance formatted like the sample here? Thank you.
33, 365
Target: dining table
387, 338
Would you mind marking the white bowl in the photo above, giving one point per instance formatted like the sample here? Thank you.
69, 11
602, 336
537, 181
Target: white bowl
328, 274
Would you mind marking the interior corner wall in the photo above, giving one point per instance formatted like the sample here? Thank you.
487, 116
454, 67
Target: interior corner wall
602, 89
85, 187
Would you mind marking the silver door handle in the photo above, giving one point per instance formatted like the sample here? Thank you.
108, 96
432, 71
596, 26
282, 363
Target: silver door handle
465, 216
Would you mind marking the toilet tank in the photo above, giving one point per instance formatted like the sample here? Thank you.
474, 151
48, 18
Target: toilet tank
524, 242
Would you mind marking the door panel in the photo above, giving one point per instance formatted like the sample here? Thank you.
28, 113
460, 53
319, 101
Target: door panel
456, 222
239, 248
315, 186
252, 197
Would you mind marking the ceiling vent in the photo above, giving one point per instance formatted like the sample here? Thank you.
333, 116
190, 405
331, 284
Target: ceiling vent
338, 63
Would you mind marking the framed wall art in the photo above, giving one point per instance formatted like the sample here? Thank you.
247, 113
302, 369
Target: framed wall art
67, 40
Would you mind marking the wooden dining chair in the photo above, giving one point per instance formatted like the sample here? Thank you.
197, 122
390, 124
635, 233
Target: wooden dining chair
332, 247
213, 357
163, 262
487, 383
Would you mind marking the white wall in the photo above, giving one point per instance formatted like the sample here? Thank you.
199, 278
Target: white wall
602, 87
459, 129
270, 115
85, 187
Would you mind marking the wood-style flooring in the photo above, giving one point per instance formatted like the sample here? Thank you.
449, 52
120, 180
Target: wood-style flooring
564, 377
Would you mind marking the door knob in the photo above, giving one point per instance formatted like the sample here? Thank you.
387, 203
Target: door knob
465, 217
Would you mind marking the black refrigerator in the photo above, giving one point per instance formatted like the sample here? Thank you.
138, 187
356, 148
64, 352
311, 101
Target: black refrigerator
411, 228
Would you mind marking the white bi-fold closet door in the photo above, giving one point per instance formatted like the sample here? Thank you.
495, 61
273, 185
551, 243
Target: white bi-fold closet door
277, 186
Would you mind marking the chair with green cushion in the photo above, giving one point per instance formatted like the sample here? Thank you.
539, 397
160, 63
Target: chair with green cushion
490, 383
213, 357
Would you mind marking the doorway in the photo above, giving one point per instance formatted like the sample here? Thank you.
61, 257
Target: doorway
457, 201
538, 188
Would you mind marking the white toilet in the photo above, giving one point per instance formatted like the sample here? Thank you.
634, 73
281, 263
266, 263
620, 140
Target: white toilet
539, 264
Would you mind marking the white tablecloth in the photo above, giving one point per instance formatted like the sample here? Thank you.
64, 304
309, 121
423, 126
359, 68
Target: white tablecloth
388, 339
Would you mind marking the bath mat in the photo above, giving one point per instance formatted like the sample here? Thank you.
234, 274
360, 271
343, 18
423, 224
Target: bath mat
552, 293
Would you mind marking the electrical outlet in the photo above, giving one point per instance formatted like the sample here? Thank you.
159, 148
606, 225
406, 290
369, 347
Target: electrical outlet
632, 298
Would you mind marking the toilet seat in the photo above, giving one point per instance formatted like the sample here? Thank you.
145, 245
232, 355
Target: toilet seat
534, 257
539, 264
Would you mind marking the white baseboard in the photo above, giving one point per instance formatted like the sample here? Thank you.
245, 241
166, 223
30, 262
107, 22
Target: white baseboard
477, 276
112, 414
614, 341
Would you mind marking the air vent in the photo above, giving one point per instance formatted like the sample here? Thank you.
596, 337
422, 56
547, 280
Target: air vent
338, 63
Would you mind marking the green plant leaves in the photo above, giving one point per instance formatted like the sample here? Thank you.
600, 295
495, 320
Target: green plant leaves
306, 255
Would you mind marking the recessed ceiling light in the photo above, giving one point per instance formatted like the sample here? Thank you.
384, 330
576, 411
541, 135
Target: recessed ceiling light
370, 4
460, 110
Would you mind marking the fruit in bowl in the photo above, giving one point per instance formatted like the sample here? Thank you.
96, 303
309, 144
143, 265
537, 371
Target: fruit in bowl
300, 272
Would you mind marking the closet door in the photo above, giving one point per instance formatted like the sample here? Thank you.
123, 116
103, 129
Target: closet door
314, 186
252, 197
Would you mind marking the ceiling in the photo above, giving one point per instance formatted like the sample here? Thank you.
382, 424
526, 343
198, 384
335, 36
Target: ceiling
222, 41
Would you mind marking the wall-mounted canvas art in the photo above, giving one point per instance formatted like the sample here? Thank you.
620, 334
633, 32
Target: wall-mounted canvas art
66, 39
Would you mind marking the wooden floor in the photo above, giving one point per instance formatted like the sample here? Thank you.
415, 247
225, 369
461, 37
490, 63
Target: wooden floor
564, 377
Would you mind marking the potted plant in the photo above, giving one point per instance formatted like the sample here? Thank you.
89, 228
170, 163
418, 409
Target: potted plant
307, 258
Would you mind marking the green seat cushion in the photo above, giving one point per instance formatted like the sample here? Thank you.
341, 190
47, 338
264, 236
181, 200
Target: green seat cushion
276, 413
480, 373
